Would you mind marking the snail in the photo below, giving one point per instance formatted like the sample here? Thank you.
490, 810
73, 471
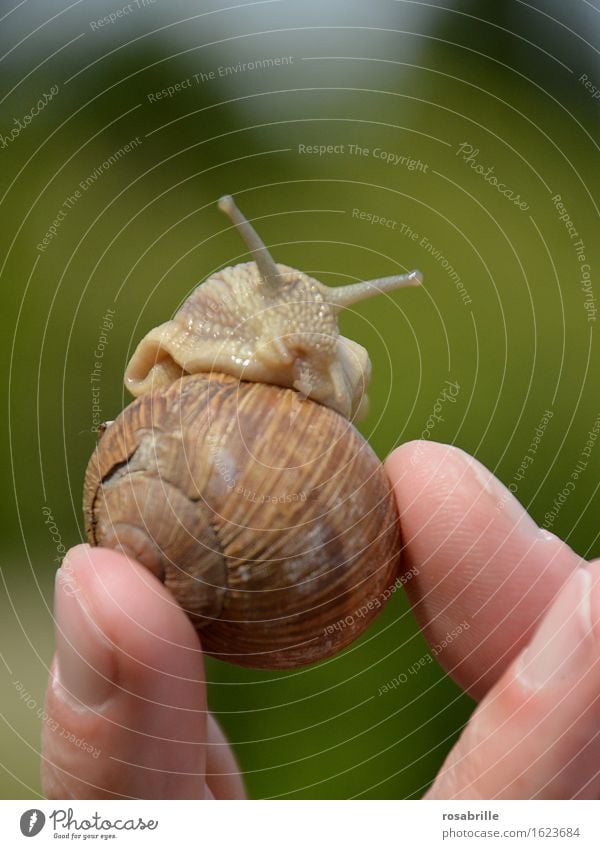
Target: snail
237, 475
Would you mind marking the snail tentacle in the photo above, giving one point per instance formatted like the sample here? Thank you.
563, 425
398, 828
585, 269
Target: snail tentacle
256, 246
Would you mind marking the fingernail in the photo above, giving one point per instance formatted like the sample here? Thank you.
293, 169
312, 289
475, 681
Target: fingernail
563, 646
504, 501
85, 658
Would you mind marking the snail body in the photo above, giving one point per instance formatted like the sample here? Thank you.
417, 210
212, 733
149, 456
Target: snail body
236, 475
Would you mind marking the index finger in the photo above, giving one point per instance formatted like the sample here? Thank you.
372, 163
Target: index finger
484, 572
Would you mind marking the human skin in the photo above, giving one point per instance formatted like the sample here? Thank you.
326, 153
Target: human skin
128, 674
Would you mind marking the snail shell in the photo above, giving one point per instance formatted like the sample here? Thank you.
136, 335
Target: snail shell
269, 519
236, 475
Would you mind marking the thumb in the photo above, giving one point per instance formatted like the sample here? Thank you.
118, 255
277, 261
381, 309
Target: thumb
536, 734
125, 707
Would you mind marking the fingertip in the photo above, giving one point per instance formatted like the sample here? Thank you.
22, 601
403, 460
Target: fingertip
535, 735
132, 609
421, 469
84, 557
593, 567
406, 455
481, 558
129, 682
75, 553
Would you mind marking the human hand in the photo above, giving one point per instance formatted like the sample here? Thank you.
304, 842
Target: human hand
530, 655
126, 699
130, 678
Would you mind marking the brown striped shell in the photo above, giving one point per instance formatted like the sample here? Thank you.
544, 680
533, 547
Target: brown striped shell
269, 518
236, 475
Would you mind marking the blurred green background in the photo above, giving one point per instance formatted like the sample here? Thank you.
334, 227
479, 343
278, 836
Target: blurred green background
508, 319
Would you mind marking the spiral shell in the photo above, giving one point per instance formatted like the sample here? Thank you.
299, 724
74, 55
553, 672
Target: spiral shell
268, 517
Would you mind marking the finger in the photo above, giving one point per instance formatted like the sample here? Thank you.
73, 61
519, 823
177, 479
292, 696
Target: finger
126, 701
536, 734
222, 771
484, 573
